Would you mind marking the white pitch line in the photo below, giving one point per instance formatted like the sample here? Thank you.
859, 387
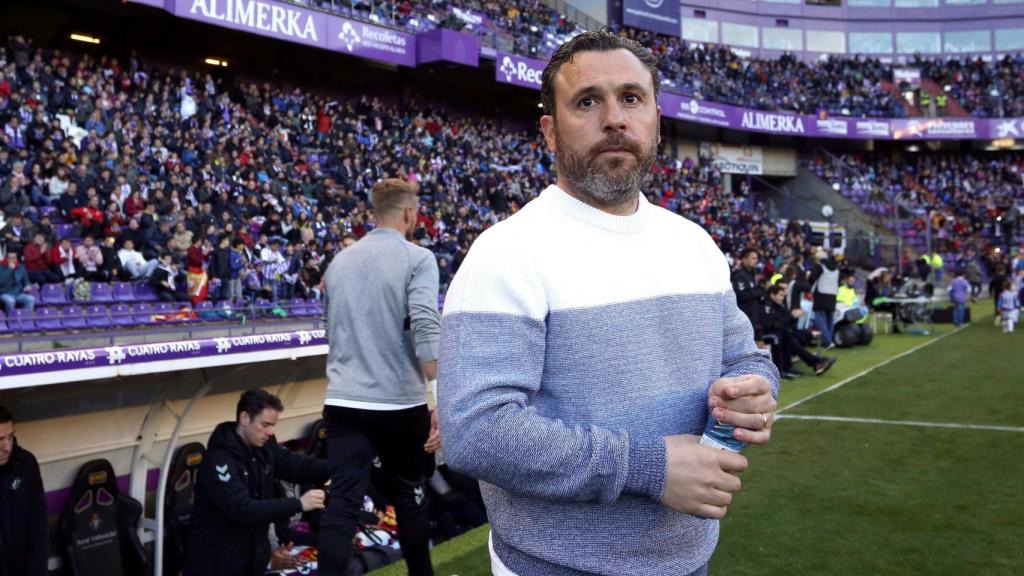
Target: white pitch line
868, 370
952, 425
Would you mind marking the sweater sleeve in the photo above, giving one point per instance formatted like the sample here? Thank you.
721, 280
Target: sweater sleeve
423, 316
491, 364
740, 354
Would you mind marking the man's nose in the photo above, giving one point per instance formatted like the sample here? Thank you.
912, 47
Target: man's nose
614, 117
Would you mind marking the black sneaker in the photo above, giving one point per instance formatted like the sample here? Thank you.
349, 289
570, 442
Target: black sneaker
792, 374
823, 366
795, 371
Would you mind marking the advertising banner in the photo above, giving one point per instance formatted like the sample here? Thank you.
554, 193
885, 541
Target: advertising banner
61, 360
738, 159
471, 18
911, 76
518, 70
296, 24
661, 16
369, 41
281, 21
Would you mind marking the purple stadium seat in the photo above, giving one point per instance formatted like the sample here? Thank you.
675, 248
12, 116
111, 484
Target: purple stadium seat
143, 313
171, 308
33, 291
144, 292
65, 231
3, 323
73, 318
48, 319
96, 316
124, 292
21, 321
315, 307
263, 307
297, 307
121, 315
47, 211
101, 293
54, 294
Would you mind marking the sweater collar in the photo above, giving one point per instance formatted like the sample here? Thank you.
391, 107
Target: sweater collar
580, 210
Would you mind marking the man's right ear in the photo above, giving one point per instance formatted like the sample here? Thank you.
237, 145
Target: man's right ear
547, 127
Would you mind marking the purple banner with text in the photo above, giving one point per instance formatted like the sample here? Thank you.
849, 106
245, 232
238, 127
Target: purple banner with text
296, 24
661, 16
121, 355
726, 116
518, 70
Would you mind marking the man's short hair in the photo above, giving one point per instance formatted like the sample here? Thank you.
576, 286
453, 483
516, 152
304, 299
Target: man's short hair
255, 401
593, 41
775, 289
5, 415
391, 194
747, 252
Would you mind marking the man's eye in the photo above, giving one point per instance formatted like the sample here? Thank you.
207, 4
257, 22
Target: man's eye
632, 99
586, 102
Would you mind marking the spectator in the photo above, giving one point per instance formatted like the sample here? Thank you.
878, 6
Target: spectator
38, 263
89, 260
133, 263
110, 269
163, 279
64, 258
14, 285
17, 233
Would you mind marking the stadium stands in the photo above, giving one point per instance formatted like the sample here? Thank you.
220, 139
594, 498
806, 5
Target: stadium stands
129, 152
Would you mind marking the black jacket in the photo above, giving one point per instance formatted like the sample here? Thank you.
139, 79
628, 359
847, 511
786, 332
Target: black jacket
220, 265
776, 319
23, 529
235, 503
748, 297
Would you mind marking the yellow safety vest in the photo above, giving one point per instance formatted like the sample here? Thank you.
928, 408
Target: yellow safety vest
846, 295
926, 98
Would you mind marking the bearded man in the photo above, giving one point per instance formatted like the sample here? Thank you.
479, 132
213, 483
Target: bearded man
586, 340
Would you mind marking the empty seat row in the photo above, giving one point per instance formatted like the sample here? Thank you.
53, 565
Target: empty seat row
98, 293
120, 315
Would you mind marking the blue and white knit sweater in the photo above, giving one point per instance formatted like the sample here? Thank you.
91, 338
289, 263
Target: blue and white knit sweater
572, 342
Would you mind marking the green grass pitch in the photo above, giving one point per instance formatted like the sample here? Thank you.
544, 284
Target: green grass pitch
873, 498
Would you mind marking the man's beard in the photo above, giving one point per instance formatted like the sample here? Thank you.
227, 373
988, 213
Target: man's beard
604, 180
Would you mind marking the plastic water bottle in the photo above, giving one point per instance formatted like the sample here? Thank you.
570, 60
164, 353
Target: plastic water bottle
719, 435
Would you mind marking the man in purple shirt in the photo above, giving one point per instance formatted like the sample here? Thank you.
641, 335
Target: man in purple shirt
959, 292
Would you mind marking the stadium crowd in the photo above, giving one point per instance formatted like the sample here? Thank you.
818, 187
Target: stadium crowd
115, 172
852, 85
984, 89
112, 171
849, 86
967, 203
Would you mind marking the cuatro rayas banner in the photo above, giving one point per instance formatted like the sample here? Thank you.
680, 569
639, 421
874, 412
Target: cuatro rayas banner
128, 354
